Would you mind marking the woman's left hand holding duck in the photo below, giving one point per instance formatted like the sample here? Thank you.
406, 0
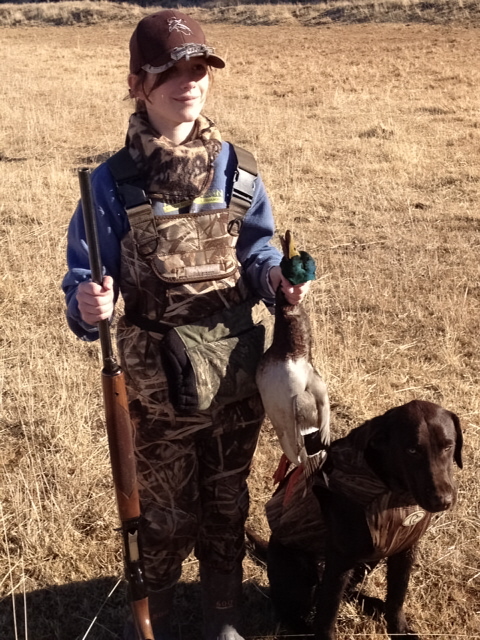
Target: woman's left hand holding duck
294, 294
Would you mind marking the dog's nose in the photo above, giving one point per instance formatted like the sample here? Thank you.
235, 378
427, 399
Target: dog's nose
447, 501
438, 501
443, 502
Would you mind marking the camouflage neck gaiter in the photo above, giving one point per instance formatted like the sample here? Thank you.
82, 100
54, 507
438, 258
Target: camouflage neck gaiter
174, 172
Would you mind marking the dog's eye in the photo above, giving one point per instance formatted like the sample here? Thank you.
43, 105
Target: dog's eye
413, 451
448, 447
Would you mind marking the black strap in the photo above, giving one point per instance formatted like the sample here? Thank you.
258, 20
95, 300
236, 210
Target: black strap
142, 322
132, 188
243, 181
130, 183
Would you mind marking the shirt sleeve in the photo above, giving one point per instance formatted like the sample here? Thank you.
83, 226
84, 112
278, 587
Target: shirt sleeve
254, 250
112, 224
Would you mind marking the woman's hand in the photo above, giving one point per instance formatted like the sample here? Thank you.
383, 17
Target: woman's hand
95, 302
294, 293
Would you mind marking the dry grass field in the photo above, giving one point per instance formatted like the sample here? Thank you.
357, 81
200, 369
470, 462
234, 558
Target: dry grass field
368, 138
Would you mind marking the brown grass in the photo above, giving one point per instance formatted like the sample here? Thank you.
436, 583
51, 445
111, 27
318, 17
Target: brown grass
251, 12
368, 140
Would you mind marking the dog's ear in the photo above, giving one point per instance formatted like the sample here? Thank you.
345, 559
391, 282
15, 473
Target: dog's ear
457, 456
379, 441
377, 446
380, 434
382, 452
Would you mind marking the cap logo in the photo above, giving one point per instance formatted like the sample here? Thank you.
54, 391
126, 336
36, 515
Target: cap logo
177, 24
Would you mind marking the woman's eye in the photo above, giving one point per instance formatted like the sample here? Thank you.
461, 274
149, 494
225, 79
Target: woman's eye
167, 75
200, 69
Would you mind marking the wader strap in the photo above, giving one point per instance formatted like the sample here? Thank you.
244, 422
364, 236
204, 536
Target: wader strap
138, 205
243, 182
146, 324
128, 178
131, 186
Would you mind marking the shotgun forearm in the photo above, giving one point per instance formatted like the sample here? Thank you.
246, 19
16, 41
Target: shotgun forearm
120, 443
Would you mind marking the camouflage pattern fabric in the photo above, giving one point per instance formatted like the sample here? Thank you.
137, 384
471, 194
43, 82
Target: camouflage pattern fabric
394, 520
192, 470
224, 351
182, 269
296, 521
185, 247
174, 172
174, 303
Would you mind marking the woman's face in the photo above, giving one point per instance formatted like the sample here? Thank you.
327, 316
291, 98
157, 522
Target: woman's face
180, 97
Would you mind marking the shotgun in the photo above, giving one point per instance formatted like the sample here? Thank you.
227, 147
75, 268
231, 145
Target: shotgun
120, 433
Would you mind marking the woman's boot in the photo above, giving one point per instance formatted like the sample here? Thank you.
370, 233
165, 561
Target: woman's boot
221, 600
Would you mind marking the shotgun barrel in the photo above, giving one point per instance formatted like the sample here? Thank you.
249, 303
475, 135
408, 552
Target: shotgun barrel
120, 433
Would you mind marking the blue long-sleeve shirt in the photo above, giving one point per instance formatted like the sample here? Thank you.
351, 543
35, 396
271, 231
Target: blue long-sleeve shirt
254, 251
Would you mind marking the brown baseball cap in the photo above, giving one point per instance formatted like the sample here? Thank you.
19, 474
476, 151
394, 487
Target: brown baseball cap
161, 39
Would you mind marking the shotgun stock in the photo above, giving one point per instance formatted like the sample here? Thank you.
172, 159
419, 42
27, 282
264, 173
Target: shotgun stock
120, 434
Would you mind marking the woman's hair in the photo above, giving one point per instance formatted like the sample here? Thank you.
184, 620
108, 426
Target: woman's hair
141, 78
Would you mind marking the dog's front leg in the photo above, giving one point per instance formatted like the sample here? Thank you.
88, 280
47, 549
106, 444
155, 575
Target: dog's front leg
399, 567
348, 540
335, 577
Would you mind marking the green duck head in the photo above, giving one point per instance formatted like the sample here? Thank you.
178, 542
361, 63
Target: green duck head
297, 267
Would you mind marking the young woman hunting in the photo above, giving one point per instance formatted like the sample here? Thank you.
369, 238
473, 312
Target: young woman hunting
179, 261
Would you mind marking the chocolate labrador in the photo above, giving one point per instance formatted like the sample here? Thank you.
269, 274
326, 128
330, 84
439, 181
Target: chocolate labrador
373, 499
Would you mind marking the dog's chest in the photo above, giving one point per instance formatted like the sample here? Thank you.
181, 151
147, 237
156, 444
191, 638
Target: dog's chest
394, 526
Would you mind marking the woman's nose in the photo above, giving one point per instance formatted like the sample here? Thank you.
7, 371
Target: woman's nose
188, 81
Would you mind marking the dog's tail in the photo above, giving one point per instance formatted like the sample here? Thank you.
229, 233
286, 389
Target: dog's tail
257, 545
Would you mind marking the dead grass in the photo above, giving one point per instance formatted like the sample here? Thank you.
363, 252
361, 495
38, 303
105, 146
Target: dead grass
368, 140
251, 12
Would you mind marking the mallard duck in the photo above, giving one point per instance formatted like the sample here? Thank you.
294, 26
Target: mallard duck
293, 392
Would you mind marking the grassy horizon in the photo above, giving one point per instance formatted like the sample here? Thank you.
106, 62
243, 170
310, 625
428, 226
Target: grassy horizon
323, 13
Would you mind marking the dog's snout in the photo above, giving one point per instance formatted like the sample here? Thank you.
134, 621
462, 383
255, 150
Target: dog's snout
446, 501
439, 501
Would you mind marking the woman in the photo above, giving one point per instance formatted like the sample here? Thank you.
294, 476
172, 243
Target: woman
192, 468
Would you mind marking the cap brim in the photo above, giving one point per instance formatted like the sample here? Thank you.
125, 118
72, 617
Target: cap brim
210, 58
215, 61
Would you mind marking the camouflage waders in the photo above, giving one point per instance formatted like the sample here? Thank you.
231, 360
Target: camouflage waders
192, 469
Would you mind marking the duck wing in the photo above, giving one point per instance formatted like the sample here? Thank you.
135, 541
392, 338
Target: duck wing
277, 387
312, 423
296, 401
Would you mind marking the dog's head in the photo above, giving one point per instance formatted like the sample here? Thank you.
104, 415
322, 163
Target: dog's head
413, 447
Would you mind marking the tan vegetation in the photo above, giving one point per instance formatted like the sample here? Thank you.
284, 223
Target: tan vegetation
252, 12
368, 140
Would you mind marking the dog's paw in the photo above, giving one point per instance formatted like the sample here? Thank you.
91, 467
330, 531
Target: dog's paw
370, 606
399, 629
